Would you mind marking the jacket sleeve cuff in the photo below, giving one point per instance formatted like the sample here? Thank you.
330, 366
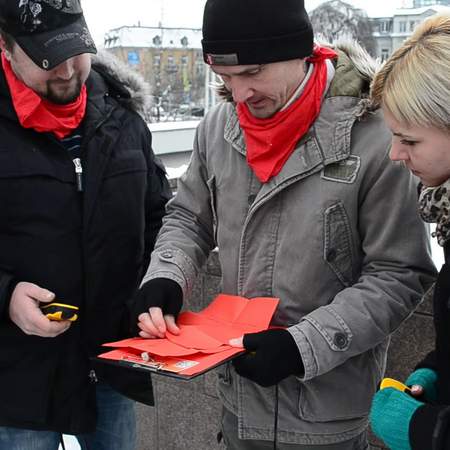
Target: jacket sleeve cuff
306, 353
173, 264
322, 326
427, 424
7, 286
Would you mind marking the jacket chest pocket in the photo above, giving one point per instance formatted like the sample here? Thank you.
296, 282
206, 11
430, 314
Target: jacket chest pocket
26, 178
127, 162
338, 243
122, 193
213, 203
29, 161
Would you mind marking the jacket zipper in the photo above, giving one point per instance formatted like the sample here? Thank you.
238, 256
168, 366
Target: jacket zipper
93, 376
79, 180
79, 174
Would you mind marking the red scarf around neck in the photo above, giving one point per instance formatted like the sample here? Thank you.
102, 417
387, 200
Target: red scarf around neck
39, 114
271, 141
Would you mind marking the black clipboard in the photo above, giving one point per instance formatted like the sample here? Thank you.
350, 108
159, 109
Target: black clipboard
150, 368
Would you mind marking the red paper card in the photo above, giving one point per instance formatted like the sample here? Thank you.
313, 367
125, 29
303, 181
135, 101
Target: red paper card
203, 340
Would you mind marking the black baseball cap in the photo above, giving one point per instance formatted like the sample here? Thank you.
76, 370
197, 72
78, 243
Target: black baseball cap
48, 31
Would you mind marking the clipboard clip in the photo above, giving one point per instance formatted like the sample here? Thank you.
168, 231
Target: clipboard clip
144, 360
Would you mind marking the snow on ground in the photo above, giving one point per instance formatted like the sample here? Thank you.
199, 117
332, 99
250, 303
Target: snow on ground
71, 443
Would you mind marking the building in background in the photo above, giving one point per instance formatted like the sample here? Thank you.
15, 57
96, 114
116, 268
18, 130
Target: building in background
380, 35
420, 3
171, 60
390, 32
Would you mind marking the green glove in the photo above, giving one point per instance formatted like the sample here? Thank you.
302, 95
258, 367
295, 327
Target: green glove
427, 379
390, 415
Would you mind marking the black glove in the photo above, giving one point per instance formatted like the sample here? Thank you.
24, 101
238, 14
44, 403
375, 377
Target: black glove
163, 293
273, 356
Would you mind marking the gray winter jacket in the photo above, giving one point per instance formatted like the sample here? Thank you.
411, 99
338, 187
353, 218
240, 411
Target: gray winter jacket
334, 235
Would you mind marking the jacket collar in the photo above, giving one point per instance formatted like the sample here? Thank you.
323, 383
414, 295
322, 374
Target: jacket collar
322, 145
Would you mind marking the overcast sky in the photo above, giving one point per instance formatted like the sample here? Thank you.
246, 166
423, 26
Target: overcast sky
102, 15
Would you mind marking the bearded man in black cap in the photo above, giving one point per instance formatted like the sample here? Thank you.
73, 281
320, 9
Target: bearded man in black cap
290, 178
82, 198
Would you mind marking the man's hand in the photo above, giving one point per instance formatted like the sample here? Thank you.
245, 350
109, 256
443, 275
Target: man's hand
273, 356
162, 299
24, 311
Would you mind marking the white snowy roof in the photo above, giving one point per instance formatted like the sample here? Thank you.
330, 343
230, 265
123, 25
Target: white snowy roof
135, 36
414, 11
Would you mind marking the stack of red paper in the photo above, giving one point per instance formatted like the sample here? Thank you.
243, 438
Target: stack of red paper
203, 342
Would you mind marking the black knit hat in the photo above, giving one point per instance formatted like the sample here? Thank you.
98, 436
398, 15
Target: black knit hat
48, 31
237, 32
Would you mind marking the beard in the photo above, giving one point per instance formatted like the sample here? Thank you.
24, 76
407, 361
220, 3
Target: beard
63, 92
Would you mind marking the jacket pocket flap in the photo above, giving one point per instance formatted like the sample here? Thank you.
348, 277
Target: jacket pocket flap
125, 162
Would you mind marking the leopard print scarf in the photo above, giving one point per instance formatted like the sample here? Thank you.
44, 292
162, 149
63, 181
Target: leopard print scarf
434, 207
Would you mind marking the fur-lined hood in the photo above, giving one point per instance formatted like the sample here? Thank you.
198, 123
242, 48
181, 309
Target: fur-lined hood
126, 85
363, 64
355, 69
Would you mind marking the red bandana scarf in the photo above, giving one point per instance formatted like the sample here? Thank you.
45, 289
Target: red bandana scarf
271, 141
40, 115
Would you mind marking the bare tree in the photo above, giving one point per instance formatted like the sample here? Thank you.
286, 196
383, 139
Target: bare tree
336, 19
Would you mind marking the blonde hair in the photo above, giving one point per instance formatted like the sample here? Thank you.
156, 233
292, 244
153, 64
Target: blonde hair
414, 83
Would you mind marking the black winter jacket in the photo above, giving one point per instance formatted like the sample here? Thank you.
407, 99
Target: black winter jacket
430, 425
91, 248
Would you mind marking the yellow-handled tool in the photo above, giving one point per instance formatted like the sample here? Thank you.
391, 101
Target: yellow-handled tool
390, 382
60, 311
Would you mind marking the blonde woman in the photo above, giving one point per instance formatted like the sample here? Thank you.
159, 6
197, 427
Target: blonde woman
413, 89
